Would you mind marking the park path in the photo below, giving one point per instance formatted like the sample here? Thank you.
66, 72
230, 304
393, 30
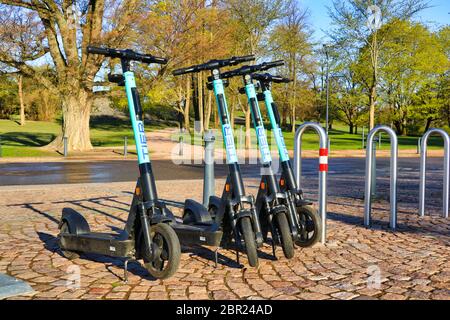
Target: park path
356, 263
163, 145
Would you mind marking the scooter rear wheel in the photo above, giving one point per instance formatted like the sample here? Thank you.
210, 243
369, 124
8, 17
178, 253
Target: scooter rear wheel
167, 252
71, 255
249, 240
285, 233
311, 226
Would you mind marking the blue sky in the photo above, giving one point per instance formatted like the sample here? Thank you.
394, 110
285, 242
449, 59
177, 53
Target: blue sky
435, 16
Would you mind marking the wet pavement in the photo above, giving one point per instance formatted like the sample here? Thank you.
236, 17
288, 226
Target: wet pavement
126, 170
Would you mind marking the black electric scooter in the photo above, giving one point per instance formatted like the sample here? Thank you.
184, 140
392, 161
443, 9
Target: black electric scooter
155, 235
308, 220
234, 211
272, 205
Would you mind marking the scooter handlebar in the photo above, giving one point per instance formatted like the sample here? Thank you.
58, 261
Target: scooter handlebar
267, 77
214, 64
252, 69
270, 65
127, 54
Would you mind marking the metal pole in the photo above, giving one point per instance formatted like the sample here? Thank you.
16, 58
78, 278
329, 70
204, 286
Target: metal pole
369, 178
1, 151
65, 147
423, 164
323, 168
379, 140
418, 145
328, 91
374, 170
125, 146
208, 181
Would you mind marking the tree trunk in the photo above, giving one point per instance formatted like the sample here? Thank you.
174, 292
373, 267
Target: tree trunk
428, 124
372, 99
76, 109
293, 119
248, 137
350, 128
22, 105
208, 111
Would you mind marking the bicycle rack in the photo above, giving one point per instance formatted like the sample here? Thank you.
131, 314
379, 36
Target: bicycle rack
423, 164
323, 168
369, 177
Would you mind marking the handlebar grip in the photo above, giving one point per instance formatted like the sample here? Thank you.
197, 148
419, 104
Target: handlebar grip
160, 60
280, 79
182, 71
248, 58
272, 64
98, 50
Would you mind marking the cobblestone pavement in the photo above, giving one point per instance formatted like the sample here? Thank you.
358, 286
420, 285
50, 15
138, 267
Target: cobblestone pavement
356, 263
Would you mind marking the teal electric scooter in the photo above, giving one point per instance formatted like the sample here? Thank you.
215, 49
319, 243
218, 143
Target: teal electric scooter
234, 211
308, 220
275, 211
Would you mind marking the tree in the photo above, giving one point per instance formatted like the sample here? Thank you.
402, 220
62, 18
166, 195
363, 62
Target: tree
62, 30
253, 19
356, 24
291, 42
189, 32
412, 61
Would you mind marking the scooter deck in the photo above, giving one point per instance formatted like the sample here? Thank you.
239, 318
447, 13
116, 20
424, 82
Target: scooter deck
208, 235
95, 242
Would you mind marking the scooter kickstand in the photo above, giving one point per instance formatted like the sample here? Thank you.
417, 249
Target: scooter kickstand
125, 270
273, 249
216, 257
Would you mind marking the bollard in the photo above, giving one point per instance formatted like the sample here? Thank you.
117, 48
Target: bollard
125, 146
65, 147
323, 168
418, 145
208, 180
423, 164
181, 142
369, 177
373, 194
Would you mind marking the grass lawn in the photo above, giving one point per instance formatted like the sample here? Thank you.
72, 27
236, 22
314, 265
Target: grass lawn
25, 141
18, 141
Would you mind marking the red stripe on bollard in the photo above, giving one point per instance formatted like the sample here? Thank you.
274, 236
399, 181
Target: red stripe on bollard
323, 152
323, 159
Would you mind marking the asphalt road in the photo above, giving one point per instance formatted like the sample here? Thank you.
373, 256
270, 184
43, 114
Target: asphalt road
117, 171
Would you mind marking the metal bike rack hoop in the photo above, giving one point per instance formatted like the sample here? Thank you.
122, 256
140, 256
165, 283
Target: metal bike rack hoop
393, 183
423, 164
323, 167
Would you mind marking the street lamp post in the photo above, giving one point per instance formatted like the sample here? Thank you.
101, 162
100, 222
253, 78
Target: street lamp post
328, 88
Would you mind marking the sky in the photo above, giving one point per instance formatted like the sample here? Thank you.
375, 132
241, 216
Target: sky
438, 15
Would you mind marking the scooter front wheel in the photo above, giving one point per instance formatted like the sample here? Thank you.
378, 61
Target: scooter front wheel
285, 234
310, 226
249, 240
166, 252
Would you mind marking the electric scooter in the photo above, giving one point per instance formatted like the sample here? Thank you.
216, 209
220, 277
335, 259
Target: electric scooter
272, 204
309, 221
154, 235
234, 211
